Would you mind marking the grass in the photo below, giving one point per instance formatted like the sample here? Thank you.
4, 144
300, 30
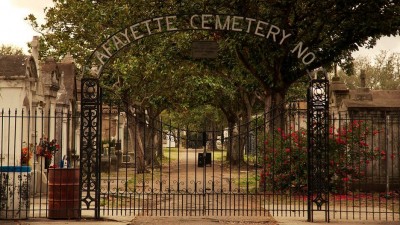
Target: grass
248, 183
173, 153
219, 155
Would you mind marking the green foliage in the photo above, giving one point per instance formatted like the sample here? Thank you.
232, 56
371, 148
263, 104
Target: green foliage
330, 29
10, 50
196, 119
298, 90
382, 73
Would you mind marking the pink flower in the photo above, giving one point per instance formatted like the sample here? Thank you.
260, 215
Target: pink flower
340, 141
363, 144
343, 132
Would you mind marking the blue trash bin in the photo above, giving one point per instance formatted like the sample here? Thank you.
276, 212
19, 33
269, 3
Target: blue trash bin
14, 192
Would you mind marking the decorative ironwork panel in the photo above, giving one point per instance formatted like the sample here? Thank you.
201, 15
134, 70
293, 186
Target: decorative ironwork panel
90, 142
318, 157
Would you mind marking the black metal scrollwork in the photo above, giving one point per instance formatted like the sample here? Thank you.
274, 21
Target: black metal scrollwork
318, 158
89, 143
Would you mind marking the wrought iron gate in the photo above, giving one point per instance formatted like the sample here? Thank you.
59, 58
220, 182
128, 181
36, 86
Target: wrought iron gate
131, 164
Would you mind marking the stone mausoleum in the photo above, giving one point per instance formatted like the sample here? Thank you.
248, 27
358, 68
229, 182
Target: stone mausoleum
36, 95
380, 110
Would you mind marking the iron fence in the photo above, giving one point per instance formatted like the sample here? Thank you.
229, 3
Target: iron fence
34, 144
154, 168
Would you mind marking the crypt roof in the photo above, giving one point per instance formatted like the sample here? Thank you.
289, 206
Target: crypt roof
373, 99
14, 66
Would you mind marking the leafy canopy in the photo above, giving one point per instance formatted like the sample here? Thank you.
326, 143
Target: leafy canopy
331, 29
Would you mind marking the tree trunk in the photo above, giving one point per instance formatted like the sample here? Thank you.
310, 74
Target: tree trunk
237, 147
275, 117
236, 143
136, 132
275, 106
137, 144
160, 141
152, 142
148, 137
231, 126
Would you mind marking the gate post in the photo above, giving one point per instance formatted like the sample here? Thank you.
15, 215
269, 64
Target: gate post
90, 141
317, 137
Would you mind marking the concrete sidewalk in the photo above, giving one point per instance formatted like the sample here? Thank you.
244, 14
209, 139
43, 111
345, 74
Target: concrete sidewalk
42, 221
148, 220
212, 220
209, 220
321, 221
144, 220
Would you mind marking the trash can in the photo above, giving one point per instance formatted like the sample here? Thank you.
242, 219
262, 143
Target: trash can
64, 202
204, 159
14, 192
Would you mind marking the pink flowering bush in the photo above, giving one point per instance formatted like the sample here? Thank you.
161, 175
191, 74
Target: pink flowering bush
350, 154
285, 161
285, 158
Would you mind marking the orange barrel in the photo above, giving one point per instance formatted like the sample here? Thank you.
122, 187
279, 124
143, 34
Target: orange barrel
64, 201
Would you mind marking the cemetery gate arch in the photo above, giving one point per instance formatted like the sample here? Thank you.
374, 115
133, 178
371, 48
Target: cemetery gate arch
193, 176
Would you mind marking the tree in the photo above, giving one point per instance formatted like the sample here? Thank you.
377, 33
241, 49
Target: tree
329, 29
238, 99
145, 78
383, 73
10, 50
147, 82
